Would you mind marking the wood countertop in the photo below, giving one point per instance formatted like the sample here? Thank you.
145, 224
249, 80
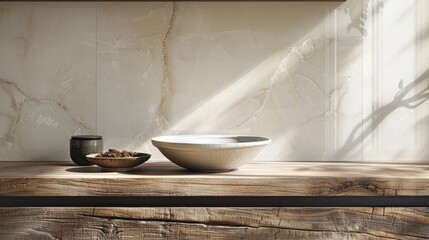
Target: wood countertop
308, 179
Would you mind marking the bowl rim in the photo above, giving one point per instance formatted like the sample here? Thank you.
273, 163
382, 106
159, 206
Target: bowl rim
168, 141
141, 155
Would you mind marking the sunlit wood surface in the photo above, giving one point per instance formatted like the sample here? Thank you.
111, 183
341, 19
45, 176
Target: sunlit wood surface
255, 179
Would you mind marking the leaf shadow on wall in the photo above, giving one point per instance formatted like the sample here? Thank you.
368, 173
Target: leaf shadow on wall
404, 98
358, 13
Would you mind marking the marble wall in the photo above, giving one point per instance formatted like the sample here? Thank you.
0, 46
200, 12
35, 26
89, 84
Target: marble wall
47, 78
327, 81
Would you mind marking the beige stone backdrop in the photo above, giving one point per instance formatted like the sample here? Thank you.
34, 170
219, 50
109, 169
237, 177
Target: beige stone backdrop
327, 81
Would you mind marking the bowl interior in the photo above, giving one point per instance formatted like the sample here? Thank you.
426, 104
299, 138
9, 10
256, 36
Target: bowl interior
217, 141
209, 139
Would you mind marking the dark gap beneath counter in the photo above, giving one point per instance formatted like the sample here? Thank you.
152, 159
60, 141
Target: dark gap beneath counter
420, 201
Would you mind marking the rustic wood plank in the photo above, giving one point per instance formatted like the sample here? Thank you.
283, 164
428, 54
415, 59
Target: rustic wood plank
214, 223
255, 179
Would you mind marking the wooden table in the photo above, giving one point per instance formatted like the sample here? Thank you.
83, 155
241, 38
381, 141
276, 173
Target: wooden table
56, 200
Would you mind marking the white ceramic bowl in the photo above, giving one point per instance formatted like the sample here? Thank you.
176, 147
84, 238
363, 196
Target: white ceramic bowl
210, 153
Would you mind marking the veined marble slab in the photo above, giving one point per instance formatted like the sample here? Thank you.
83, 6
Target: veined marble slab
328, 81
267, 69
47, 78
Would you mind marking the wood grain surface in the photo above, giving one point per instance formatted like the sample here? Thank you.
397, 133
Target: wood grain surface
256, 179
214, 223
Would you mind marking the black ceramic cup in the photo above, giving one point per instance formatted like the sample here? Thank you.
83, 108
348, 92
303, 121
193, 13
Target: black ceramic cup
81, 145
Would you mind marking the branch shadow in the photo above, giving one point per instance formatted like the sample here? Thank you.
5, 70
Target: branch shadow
363, 130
